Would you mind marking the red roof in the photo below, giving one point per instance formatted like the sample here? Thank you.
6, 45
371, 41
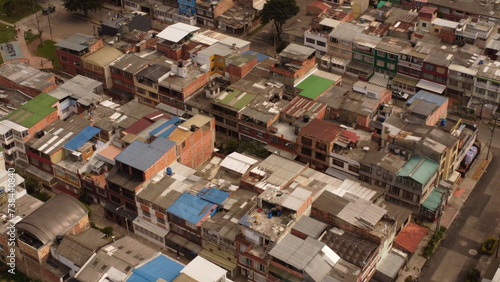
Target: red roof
410, 237
319, 4
427, 10
138, 126
322, 130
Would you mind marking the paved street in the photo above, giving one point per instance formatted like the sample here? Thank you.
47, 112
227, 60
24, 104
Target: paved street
64, 24
478, 219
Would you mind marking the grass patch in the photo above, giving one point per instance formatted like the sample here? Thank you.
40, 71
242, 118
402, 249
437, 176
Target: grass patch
48, 50
7, 33
24, 9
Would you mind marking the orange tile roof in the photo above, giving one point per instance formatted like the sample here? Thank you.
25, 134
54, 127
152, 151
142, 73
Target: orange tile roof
322, 130
410, 237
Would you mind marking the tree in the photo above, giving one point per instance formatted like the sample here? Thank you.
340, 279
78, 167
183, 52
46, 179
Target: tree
83, 6
279, 11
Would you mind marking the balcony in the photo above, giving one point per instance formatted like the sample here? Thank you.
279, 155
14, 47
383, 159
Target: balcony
413, 65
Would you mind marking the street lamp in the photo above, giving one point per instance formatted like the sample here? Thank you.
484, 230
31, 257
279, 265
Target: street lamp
126, 217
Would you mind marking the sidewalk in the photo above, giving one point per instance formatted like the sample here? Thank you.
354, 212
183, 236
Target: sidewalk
457, 200
36, 62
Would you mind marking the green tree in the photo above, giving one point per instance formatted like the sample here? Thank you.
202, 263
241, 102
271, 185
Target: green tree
279, 11
84, 6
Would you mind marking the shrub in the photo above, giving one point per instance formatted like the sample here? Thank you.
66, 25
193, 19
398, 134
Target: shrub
108, 230
489, 246
473, 275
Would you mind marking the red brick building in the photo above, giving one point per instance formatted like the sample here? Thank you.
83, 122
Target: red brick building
71, 50
133, 166
122, 75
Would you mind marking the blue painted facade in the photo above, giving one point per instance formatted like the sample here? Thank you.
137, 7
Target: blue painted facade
187, 7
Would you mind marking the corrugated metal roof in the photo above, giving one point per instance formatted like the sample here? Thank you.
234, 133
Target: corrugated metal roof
310, 226
429, 97
176, 32
213, 195
238, 162
103, 57
190, 208
142, 156
161, 267
76, 42
166, 128
322, 130
295, 251
391, 264
83, 136
419, 169
434, 199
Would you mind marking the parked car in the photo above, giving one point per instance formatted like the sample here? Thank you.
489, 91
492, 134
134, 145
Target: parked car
400, 95
48, 10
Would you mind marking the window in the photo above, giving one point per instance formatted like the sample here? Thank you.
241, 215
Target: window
320, 157
391, 66
73, 178
365, 168
333, 40
394, 190
436, 30
306, 151
452, 82
408, 195
346, 43
321, 146
337, 162
64, 59
176, 219
146, 214
392, 56
357, 56
115, 199
380, 63
161, 220
310, 40
424, 24
334, 49
321, 43
59, 172
480, 91
140, 90
429, 67
492, 94
353, 168
345, 52
306, 141
382, 54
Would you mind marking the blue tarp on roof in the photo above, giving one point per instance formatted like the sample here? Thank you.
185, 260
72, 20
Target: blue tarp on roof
83, 136
190, 207
260, 57
429, 97
159, 267
167, 128
142, 156
213, 195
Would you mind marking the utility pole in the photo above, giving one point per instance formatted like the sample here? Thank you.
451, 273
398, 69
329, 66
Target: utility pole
492, 132
50, 27
124, 212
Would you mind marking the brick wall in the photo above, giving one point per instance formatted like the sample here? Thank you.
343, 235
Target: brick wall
236, 72
5, 82
167, 159
195, 85
169, 52
447, 35
199, 147
222, 7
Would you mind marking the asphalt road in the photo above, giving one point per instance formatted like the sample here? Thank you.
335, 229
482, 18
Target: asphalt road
478, 219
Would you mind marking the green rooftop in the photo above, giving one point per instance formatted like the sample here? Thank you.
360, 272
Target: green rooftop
419, 169
434, 199
314, 86
236, 99
33, 111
